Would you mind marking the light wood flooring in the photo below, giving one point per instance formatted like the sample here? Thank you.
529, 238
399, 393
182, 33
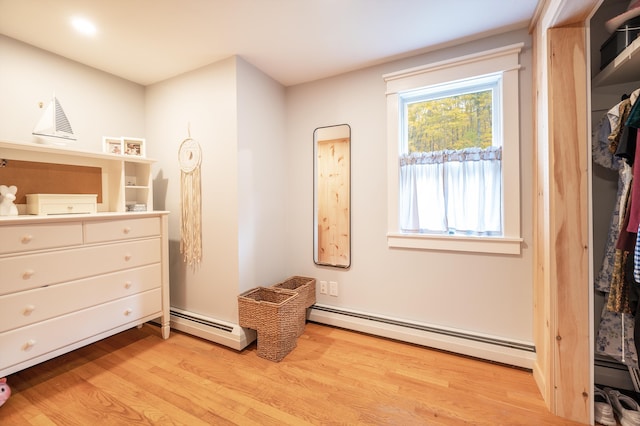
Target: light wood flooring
332, 377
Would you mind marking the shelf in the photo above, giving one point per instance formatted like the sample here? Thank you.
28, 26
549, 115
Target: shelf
623, 69
123, 179
72, 152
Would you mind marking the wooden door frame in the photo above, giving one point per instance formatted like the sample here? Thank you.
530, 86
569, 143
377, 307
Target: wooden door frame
563, 295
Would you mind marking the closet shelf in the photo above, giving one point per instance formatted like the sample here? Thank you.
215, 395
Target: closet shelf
623, 69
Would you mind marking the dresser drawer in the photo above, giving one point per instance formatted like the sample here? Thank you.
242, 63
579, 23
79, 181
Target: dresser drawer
28, 342
29, 271
112, 230
21, 238
39, 304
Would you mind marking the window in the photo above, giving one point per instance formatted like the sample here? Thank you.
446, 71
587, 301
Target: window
450, 171
453, 143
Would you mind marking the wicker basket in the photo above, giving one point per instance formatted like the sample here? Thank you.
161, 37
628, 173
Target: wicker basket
273, 313
306, 288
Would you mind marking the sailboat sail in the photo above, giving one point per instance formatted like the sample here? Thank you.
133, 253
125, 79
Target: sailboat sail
54, 122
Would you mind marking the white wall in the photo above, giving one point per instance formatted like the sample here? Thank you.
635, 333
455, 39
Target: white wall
235, 113
97, 104
479, 294
203, 100
263, 162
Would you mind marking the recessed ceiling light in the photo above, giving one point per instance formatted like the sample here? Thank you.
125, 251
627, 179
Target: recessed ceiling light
83, 26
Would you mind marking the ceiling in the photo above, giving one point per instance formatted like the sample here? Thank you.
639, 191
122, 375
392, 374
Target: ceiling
292, 41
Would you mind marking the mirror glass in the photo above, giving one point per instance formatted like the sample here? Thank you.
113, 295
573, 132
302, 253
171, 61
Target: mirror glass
332, 196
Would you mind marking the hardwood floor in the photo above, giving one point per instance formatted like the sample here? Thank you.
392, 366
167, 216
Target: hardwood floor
333, 377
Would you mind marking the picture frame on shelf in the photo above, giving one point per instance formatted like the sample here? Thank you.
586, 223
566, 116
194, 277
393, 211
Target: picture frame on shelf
112, 145
133, 146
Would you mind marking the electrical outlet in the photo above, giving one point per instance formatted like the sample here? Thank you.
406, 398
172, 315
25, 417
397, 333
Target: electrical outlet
333, 288
323, 287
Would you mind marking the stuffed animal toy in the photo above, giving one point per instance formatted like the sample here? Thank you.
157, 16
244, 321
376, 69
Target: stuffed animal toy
5, 391
8, 194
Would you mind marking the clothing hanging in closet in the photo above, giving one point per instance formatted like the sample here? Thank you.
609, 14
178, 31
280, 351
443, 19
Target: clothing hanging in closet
613, 147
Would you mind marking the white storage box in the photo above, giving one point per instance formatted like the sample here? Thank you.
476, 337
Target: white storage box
45, 204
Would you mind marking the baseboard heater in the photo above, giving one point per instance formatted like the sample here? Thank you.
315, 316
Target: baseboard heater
608, 372
481, 346
472, 344
224, 333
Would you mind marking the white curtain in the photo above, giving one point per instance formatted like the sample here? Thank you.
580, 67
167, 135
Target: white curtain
452, 191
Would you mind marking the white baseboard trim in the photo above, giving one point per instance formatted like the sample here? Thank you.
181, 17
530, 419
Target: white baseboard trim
221, 332
504, 351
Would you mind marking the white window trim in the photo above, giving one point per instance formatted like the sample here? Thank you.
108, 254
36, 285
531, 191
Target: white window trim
503, 60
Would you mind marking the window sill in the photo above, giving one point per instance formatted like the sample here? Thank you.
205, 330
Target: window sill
500, 245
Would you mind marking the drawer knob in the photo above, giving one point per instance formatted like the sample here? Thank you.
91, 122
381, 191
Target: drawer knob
128, 312
127, 257
28, 310
26, 239
29, 344
28, 274
126, 230
127, 284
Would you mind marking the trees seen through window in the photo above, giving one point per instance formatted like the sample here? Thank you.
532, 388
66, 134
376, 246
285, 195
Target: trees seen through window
453, 122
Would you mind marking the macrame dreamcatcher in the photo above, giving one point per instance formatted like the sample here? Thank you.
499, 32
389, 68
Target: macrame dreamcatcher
190, 156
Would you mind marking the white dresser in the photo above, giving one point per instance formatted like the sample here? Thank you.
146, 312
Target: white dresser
70, 280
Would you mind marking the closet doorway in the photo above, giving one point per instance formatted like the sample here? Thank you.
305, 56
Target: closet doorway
615, 358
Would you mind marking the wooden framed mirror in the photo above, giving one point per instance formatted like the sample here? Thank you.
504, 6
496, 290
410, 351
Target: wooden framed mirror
332, 196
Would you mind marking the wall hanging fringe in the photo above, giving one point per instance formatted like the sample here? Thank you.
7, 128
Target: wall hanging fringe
189, 156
